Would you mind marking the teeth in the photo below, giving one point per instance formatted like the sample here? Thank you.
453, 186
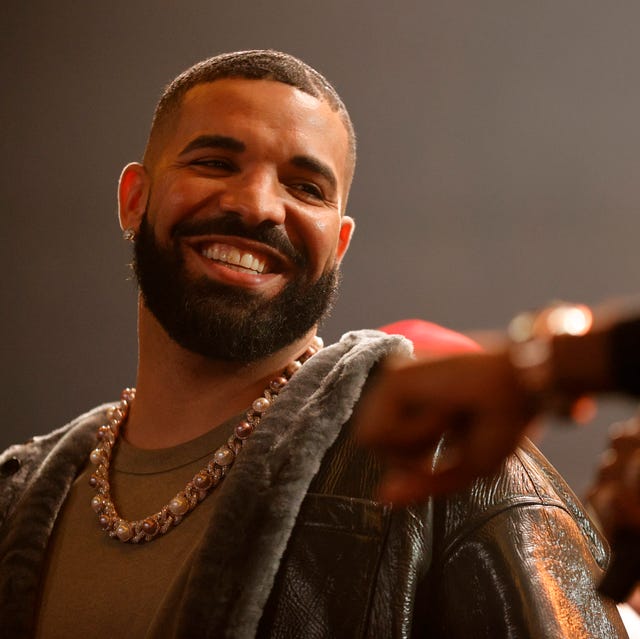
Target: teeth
246, 260
231, 255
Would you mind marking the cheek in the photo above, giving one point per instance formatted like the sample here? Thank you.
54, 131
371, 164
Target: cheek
321, 240
173, 200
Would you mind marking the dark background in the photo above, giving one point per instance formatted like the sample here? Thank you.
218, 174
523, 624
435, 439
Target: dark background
498, 170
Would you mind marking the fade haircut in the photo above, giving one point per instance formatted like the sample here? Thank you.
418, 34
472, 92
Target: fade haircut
260, 64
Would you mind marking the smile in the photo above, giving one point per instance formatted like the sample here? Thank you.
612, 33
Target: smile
234, 257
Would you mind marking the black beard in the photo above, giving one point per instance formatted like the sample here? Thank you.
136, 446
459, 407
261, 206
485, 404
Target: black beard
220, 321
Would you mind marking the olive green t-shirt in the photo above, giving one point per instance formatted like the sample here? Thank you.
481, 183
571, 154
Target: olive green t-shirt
95, 586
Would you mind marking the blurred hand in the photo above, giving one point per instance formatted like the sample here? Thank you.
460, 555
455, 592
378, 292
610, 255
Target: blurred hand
615, 495
615, 499
473, 399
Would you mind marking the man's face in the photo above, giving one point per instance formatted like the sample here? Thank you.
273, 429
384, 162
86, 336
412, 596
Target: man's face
238, 250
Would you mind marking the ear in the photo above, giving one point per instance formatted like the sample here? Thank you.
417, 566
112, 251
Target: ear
133, 195
347, 226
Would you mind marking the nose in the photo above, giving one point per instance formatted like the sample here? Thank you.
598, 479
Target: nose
254, 196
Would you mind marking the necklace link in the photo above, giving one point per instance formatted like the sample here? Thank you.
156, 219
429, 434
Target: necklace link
202, 483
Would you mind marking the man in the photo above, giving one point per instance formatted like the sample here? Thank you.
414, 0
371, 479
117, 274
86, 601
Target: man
238, 218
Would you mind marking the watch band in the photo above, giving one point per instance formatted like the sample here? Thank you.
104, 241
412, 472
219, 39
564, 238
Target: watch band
531, 336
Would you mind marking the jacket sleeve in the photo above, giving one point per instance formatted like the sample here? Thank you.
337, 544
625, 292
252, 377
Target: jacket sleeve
516, 556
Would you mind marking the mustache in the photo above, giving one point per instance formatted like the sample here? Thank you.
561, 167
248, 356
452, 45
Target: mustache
272, 236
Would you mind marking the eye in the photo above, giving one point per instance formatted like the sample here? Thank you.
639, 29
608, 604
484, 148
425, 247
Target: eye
308, 189
219, 164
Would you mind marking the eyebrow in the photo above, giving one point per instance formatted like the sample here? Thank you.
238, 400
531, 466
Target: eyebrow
312, 164
214, 142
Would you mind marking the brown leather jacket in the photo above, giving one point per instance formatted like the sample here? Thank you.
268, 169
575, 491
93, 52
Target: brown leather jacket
299, 548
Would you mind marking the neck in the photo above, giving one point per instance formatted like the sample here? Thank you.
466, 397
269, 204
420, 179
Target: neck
181, 395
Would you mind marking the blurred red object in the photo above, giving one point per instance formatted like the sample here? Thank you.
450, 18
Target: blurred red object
431, 340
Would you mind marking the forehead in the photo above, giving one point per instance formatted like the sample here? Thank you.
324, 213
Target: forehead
262, 112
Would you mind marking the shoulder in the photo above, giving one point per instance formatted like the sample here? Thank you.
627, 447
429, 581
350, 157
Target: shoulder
19, 464
527, 486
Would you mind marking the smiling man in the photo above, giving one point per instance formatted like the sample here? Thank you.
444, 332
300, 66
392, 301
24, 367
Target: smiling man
255, 277
225, 496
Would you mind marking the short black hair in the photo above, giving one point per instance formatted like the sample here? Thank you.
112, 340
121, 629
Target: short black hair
259, 64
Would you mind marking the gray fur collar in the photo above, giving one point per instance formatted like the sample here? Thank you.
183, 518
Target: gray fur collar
256, 507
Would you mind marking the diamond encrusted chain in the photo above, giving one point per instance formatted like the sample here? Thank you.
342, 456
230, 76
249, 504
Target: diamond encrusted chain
202, 483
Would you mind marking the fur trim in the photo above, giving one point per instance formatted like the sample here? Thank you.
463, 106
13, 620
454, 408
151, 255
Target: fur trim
257, 506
